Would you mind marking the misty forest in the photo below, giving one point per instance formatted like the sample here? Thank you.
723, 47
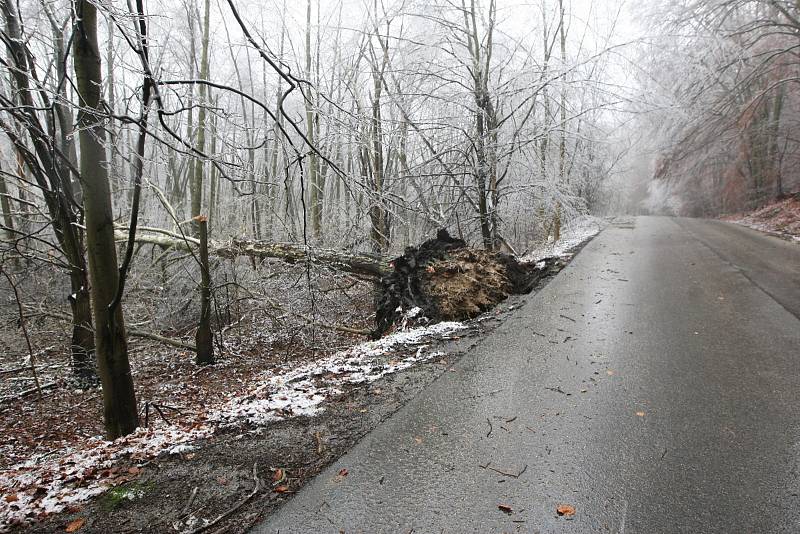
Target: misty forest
226, 223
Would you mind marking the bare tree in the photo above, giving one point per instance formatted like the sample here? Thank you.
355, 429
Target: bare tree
119, 400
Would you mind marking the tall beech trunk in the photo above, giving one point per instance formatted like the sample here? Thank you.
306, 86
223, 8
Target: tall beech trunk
119, 399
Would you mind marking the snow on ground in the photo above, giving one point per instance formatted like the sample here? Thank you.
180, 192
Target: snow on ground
301, 390
573, 234
58, 480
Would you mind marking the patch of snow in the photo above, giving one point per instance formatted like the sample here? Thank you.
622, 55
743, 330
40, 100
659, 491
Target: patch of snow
414, 315
413, 312
182, 449
298, 391
574, 233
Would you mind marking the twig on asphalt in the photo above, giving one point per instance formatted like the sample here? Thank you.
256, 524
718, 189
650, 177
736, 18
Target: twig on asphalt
490, 428
471, 397
499, 472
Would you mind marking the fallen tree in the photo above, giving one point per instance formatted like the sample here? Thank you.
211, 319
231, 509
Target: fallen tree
442, 279
358, 264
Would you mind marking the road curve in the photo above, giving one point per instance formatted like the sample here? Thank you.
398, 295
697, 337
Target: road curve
653, 385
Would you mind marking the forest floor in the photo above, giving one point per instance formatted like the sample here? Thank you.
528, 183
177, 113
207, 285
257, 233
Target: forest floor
223, 445
781, 218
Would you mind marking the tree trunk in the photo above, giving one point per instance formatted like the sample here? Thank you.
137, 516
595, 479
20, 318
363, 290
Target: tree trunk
196, 185
111, 99
82, 347
315, 192
775, 159
379, 233
213, 189
53, 178
119, 399
562, 143
359, 264
8, 220
204, 338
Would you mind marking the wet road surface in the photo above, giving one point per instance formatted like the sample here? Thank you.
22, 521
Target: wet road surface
653, 385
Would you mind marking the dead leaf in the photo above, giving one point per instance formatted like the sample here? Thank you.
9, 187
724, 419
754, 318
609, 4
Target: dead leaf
609, 372
640, 414
281, 489
134, 470
75, 525
278, 475
417, 440
343, 472
565, 510
11, 497
505, 508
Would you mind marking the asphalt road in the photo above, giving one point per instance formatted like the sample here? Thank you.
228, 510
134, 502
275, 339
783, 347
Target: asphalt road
653, 385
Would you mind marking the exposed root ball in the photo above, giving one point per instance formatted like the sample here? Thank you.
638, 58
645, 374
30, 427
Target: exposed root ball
449, 281
465, 284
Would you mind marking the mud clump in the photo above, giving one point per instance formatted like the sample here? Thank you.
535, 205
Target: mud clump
449, 281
